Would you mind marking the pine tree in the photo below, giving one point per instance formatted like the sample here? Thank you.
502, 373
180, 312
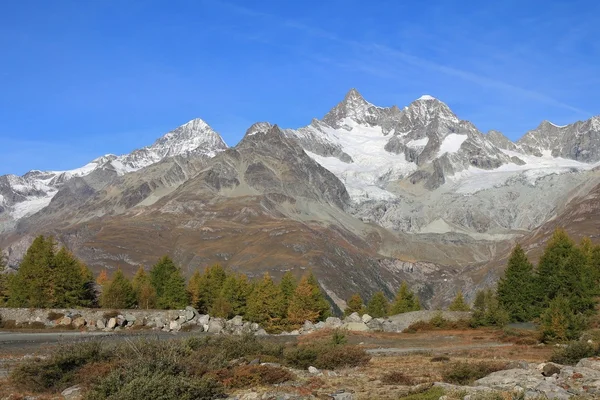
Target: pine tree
194, 289
287, 286
405, 301
266, 304
318, 298
118, 292
3, 280
160, 274
487, 310
102, 277
517, 288
211, 286
235, 292
378, 306
563, 270
145, 294
355, 305
174, 294
33, 284
560, 323
307, 303
72, 281
459, 303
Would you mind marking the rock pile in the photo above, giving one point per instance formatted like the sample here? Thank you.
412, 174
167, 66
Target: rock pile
546, 380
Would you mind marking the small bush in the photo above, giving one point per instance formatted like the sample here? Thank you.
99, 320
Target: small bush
440, 359
246, 376
57, 372
54, 316
573, 352
438, 323
464, 373
338, 337
433, 393
141, 382
325, 356
397, 378
37, 325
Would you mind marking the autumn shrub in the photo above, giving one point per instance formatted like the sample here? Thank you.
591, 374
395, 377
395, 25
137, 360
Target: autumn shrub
440, 359
573, 352
59, 371
111, 314
438, 323
465, 373
326, 356
397, 378
246, 376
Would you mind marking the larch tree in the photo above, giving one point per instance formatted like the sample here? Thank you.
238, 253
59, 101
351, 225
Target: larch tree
459, 303
72, 281
33, 284
307, 303
288, 286
174, 292
517, 288
194, 289
3, 279
145, 294
102, 277
378, 306
118, 292
355, 304
405, 301
265, 304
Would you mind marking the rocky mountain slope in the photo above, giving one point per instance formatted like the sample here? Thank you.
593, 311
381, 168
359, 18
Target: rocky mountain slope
366, 197
22, 196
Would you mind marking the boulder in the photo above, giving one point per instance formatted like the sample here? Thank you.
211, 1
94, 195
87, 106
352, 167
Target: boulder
356, 326
112, 323
550, 369
174, 326
375, 325
190, 313
121, 321
78, 322
552, 391
254, 327
354, 317
203, 319
366, 318
592, 363
101, 324
308, 326
511, 378
215, 325
342, 395
130, 317
236, 321
73, 393
320, 325
333, 322
65, 321
261, 332
313, 370
159, 323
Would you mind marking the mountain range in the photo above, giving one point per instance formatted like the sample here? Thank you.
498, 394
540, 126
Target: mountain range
366, 197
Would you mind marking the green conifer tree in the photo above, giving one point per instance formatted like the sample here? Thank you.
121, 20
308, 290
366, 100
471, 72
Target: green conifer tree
72, 281
174, 294
288, 286
210, 286
266, 304
559, 323
378, 306
118, 292
145, 294
355, 304
405, 301
563, 270
235, 292
160, 274
459, 303
33, 284
3, 280
517, 288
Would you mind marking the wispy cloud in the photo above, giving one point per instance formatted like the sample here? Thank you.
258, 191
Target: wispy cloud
404, 57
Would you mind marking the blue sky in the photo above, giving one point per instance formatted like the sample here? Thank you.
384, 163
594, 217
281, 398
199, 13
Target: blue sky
79, 79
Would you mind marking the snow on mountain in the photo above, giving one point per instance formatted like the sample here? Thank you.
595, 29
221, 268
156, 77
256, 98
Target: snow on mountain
21, 196
370, 147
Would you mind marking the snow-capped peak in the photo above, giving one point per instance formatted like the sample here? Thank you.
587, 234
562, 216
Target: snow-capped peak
354, 106
427, 108
426, 97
